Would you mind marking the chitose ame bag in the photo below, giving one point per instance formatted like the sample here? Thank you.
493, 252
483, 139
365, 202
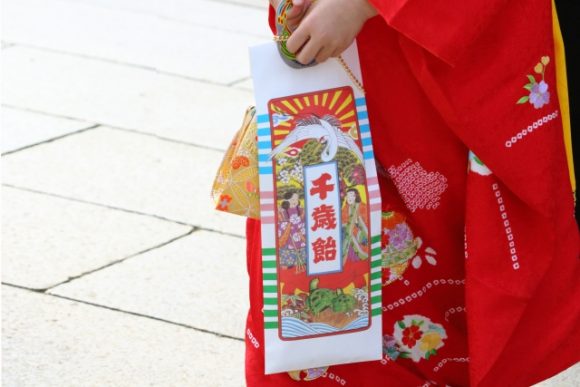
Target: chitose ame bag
320, 213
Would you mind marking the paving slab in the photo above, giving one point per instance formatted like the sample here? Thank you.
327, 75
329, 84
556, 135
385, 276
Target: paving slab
135, 38
246, 84
50, 341
241, 17
129, 171
249, 3
567, 378
200, 280
122, 96
21, 129
46, 240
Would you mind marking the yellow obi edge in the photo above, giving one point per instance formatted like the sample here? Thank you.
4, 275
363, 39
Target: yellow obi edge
562, 88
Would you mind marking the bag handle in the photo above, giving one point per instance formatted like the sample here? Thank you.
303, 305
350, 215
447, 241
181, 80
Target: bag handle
283, 34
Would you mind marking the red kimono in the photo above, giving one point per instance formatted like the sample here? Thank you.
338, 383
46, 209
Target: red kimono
482, 289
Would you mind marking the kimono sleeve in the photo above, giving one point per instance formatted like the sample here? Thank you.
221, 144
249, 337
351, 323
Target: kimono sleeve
272, 18
445, 28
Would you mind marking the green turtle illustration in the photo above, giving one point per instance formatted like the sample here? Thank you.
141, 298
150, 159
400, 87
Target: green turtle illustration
319, 298
343, 303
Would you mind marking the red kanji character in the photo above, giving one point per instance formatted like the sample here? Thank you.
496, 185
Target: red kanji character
321, 187
324, 250
324, 217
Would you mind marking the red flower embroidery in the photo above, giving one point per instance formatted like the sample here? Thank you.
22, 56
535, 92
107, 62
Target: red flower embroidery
240, 161
223, 202
411, 335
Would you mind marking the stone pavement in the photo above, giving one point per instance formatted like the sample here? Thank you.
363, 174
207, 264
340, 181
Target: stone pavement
115, 269
115, 114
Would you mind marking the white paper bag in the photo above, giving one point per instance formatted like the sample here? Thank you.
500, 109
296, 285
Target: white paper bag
320, 210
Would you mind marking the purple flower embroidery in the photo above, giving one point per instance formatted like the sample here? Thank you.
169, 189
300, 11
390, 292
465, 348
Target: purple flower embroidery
400, 236
539, 95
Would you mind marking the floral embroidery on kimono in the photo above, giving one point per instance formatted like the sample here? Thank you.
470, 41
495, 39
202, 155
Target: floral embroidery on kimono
477, 166
417, 337
539, 94
308, 374
399, 247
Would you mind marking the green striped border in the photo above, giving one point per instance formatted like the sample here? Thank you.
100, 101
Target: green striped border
270, 292
269, 276
269, 264
269, 251
376, 277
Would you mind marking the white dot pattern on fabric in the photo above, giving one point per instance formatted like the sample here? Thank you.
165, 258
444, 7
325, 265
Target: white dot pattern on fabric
535, 125
336, 378
465, 243
420, 292
252, 339
448, 360
418, 188
507, 227
457, 309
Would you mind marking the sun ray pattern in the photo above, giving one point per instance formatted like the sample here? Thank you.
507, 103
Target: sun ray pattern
336, 102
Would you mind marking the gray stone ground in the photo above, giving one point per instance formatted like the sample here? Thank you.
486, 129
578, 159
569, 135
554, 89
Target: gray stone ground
115, 269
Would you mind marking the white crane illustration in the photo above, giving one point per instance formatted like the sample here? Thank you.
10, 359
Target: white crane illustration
325, 129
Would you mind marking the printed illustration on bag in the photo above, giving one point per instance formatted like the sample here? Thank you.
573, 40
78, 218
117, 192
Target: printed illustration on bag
322, 214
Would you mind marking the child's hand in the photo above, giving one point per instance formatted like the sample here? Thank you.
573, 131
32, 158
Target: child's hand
296, 12
328, 28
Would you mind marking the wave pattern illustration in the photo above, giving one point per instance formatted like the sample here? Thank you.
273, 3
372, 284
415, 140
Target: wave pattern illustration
293, 327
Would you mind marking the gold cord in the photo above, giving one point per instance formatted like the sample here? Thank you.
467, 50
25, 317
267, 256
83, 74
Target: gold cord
350, 74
